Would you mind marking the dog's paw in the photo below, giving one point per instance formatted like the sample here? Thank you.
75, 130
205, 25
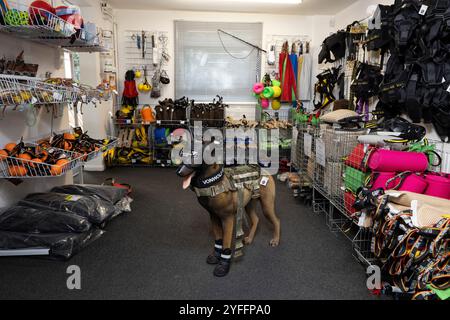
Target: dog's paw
274, 242
248, 241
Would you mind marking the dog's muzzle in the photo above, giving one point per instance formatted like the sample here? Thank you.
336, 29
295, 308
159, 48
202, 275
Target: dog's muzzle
185, 170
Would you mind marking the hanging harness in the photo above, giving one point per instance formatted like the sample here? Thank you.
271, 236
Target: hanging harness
324, 87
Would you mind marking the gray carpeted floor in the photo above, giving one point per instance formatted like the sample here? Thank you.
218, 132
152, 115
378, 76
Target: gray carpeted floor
159, 251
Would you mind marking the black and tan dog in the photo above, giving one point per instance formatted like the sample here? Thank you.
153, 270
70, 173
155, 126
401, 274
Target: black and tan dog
223, 208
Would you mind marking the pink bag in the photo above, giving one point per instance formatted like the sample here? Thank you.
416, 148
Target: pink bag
379, 180
438, 186
408, 181
397, 161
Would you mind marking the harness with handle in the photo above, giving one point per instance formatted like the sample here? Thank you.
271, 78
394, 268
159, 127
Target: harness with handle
234, 179
416, 260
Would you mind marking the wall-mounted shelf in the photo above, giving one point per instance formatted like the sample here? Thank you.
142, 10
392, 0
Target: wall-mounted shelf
19, 168
95, 145
20, 90
44, 27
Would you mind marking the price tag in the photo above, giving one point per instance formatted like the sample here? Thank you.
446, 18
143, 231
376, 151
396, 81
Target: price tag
158, 161
128, 121
307, 144
73, 198
158, 122
423, 10
448, 89
182, 122
116, 92
94, 100
84, 99
264, 181
34, 100
320, 152
133, 161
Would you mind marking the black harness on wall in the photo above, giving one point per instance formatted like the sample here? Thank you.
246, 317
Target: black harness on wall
417, 76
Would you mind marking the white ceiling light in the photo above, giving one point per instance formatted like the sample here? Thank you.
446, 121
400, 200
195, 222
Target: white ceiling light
268, 1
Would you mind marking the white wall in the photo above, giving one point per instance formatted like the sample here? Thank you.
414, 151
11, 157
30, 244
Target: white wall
95, 119
317, 27
356, 12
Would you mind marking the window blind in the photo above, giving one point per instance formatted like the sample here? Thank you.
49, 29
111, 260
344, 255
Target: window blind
208, 63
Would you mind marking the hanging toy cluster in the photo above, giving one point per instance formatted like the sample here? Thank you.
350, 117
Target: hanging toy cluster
268, 93
144, 86
302, 117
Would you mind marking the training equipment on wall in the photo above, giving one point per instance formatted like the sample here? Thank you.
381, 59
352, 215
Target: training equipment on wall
416, 81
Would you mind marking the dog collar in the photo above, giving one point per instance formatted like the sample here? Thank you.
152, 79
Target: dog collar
209, 181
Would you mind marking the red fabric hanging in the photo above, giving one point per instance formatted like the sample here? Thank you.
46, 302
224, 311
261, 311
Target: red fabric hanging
287, 77
130, 90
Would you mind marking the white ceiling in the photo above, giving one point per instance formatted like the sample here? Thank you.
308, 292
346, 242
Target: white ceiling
308, 7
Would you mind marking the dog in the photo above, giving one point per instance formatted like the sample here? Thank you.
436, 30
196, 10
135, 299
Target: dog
223, 207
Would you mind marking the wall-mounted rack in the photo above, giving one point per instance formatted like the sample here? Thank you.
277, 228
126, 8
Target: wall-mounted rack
139, 53
20, 90
44, 27
278, 40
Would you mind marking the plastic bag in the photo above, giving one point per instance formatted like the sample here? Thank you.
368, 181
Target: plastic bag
61, 245
107, 193
32, 220
97, 211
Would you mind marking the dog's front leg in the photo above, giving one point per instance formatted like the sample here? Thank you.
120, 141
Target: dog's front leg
224, 265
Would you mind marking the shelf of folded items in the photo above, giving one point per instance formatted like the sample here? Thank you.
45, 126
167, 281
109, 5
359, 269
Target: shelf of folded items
44, 27
19, 167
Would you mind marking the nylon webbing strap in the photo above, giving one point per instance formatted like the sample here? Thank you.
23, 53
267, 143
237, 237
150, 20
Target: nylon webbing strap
238, 236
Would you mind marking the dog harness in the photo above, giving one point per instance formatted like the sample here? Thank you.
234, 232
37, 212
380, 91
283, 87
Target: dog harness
234, 179
415, 260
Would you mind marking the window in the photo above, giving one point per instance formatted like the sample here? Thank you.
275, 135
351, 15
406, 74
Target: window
210, 64
67, 65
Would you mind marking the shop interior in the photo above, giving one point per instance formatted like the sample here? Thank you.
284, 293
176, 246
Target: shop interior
97, 97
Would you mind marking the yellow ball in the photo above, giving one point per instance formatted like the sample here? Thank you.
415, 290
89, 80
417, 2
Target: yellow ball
276, 105
277, 92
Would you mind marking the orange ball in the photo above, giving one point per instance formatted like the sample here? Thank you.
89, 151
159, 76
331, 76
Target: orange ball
10, 146
3, 154
35, 162
59, 167
17, 171
24, 156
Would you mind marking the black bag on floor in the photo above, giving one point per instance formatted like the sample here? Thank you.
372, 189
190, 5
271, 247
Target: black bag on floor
97, 211
61, 245
32, 220
107, 193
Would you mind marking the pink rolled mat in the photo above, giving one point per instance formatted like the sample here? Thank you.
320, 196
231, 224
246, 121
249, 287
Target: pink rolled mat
398, 161
380, 180
438, 186
414, 183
